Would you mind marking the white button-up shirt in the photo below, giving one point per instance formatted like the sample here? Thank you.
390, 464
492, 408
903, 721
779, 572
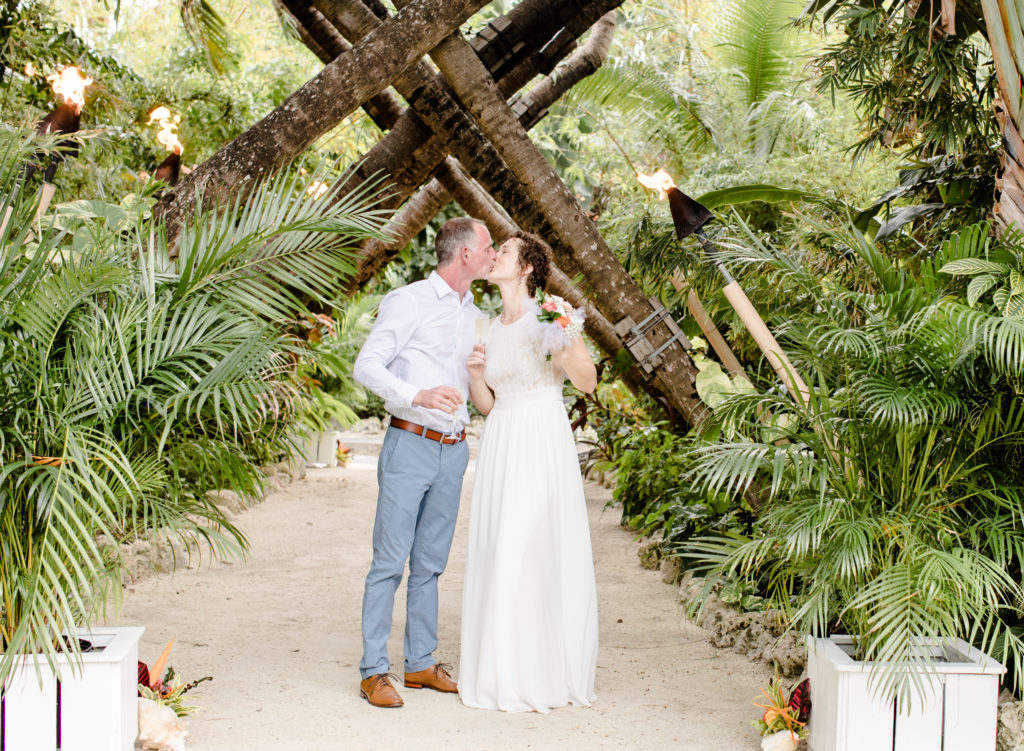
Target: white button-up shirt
423, 334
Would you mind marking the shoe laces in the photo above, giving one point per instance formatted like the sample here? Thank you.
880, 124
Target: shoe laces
384, 678
443, 667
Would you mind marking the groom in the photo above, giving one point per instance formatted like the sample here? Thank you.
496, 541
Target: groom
415, 360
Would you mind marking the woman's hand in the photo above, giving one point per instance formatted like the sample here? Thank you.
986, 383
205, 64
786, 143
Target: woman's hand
481, 395
476, 362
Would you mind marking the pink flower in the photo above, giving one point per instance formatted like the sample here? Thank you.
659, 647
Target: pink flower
549, 306
563, 321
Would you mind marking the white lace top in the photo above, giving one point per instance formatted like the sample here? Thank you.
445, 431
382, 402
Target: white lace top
516, 362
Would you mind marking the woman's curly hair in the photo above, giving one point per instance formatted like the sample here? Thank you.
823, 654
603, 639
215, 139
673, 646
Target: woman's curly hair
534, 252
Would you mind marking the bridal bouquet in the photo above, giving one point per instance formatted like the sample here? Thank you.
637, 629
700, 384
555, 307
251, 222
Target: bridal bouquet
561, 324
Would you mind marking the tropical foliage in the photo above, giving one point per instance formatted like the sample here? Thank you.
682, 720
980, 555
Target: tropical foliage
893, 497
885, 506
137, 381
925, 90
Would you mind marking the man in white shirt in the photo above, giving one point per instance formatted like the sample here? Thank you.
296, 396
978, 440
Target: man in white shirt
415, 359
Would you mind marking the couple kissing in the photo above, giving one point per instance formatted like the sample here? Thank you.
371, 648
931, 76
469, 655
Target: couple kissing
529, 612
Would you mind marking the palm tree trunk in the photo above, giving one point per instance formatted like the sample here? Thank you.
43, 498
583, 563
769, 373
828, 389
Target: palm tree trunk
317, 106
406, 223
1003, 28
324, 41
404, 136
430, 99
411, 151
576, 240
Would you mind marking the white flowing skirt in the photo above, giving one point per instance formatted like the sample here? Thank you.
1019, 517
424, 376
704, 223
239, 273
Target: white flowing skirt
529, 608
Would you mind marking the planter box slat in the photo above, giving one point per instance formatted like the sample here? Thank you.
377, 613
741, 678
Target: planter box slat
971, 704
25, 699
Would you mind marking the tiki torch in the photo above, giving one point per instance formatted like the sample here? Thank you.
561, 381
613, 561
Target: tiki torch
317, 188
689, 218
69, 84
170, 168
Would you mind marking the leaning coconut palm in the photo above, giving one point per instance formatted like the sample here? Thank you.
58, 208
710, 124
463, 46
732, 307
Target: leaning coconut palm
893, 510
136, 385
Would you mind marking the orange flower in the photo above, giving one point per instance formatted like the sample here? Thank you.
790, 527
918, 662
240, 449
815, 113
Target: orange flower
563, 321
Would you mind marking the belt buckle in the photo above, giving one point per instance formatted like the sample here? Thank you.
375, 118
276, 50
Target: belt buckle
453, 436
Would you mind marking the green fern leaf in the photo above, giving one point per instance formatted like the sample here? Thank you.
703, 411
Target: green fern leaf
979, 285
972, 266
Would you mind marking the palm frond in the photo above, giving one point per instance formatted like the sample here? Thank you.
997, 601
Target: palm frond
641, 96
756, 42
281, 247
206, 29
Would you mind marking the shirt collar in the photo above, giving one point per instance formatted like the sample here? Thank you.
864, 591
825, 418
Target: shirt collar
442, 289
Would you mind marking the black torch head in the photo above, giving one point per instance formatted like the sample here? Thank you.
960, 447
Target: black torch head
687, 214
65, 118
169, 169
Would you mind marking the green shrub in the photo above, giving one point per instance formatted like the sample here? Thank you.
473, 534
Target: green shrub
135, 384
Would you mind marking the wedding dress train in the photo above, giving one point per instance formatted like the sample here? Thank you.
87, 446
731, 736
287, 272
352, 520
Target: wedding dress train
529, 611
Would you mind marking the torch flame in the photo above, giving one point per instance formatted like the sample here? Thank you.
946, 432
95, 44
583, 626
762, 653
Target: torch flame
70, 84
316, 188
167, 137
660, 181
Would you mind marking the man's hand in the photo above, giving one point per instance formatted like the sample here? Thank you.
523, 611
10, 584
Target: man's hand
477, 362
445, 398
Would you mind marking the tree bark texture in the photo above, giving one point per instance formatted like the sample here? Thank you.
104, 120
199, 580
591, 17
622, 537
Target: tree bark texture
406, 223
304, 36
317, 106
577, 242
543, 59
582, 63
1002, 27
324, 41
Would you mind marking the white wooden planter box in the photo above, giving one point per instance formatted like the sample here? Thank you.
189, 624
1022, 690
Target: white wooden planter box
957, 713
94, 708
321, 450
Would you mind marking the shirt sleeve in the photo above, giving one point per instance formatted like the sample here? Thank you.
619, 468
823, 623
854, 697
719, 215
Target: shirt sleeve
392, 330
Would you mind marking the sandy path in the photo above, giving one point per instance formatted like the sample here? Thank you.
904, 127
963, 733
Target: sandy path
280, 634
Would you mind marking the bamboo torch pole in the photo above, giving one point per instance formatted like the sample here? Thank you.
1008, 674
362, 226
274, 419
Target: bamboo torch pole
707, 325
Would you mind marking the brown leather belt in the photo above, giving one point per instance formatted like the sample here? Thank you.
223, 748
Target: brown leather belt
448, 439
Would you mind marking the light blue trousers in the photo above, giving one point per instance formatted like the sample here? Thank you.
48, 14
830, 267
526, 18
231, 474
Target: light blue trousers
420, 482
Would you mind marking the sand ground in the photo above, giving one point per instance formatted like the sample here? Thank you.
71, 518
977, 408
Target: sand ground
280, 635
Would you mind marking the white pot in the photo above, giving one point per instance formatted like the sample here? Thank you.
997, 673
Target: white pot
91, 708
956, 713
321, 450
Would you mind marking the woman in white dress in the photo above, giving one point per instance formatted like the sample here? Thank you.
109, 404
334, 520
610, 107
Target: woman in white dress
529, 609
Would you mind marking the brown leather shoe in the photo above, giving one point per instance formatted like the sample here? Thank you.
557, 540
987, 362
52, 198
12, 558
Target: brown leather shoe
436, 678
377, 690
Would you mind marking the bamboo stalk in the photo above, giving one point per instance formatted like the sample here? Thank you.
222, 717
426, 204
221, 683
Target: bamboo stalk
707, 325
766, 341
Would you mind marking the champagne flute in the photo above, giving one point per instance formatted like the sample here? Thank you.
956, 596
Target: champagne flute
480, 328
481, 325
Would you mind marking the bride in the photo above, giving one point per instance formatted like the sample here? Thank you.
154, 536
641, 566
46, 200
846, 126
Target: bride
529, 609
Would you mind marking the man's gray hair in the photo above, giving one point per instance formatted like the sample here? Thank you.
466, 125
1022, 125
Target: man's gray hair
456, 233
